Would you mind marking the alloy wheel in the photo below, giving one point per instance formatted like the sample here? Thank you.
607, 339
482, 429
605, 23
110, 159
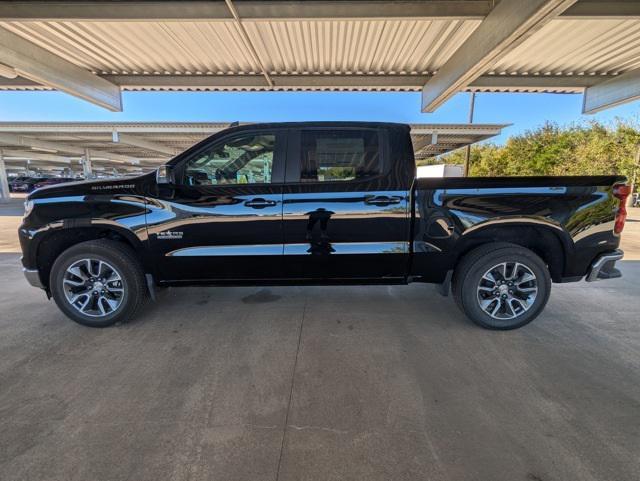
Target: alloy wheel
93, 287
507, 290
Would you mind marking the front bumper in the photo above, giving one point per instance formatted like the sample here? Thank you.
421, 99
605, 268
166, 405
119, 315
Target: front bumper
33, 277
604, 267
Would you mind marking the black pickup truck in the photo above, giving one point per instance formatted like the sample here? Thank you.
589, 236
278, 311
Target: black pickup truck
319, 203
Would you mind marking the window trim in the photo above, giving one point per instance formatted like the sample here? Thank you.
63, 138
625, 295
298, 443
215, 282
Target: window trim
294, 156
277, 169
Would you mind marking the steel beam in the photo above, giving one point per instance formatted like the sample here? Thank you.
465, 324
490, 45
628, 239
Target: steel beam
203, 128
152, 11
610, 9
40, 65
134, 141
247, 10
257, 82
571, 83
123, 159
247, 41
536, 83
444, 129
616, 91
27, 155
24, 141
209, 128
519, 83
507, 26
7, 72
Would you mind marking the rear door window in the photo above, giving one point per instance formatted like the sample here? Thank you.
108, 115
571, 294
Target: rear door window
339, 155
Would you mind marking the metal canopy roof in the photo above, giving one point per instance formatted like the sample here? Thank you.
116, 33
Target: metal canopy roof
142, 146
95, 49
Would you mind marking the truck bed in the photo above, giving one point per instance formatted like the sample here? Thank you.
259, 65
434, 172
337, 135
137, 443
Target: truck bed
568, 220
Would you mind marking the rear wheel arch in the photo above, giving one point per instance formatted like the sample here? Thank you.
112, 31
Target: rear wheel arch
550, 244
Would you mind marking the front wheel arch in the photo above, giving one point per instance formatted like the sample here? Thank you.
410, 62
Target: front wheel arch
55, 242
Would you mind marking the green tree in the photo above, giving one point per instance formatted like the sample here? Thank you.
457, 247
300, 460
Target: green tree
579, 149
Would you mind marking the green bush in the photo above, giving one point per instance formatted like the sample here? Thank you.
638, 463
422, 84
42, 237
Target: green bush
585, 149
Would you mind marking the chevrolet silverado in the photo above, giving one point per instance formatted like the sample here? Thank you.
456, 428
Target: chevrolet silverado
319, 203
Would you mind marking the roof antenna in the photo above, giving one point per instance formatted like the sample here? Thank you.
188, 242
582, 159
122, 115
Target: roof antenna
233, 124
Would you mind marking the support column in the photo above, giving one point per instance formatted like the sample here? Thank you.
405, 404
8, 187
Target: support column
4, 181
634, 176
87, 169
467, 154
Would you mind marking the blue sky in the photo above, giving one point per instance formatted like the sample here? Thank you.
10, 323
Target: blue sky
524, 111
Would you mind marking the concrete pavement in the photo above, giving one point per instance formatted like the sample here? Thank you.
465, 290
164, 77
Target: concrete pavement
321, 383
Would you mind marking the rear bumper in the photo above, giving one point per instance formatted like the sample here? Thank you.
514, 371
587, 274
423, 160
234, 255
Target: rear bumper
604, 267
33, 277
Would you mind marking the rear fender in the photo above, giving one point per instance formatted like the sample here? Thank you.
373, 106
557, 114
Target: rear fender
546, 239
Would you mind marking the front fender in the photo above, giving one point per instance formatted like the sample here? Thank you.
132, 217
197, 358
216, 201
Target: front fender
123, 215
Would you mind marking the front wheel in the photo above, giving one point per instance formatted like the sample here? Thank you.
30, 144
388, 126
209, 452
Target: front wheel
98, 283
501, 286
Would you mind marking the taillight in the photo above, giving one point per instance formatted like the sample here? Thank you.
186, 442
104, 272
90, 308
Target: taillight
621, 192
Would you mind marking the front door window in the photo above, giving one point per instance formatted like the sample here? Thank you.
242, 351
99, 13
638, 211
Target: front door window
245, 159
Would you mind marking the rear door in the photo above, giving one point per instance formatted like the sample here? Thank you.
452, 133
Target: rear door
345, 209
222, 219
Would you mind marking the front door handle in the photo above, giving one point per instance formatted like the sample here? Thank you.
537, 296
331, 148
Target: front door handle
382, 200
260, 203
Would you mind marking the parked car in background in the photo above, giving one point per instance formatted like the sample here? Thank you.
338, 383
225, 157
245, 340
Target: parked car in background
53, 181
26, 185
13, 181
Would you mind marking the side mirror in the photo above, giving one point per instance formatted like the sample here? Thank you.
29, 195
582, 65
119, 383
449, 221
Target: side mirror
164, 175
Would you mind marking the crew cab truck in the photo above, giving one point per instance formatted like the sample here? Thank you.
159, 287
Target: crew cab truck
319, 203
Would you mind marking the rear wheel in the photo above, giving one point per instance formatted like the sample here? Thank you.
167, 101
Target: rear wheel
501, 286
98, 283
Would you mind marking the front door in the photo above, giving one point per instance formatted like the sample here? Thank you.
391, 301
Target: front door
346, 210
222, 219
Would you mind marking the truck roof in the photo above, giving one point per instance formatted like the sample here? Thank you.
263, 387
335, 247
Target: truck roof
336, 124
280, 125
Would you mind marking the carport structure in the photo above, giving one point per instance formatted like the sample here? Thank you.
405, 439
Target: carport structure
96, 49
138, 147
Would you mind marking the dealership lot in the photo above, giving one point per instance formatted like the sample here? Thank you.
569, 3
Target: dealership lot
322, 383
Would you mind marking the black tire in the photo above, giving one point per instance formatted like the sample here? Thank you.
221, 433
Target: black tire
116, 254
468, 280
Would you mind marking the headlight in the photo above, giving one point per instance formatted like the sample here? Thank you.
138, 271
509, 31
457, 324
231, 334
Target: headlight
28, 207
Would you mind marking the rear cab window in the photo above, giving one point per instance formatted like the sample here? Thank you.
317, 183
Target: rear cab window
339, 155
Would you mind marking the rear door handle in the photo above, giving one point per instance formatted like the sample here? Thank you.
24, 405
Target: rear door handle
260, 203
382, 200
